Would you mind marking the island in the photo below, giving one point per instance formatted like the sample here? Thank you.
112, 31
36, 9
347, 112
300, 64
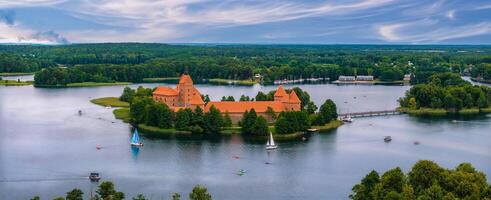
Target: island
446, 93
184, 111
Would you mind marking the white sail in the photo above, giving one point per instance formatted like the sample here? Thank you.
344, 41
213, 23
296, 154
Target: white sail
271, 142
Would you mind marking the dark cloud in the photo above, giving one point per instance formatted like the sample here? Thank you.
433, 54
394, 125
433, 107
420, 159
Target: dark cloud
7, 16
50, 36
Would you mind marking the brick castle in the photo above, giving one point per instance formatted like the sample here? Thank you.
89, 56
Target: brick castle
185, 95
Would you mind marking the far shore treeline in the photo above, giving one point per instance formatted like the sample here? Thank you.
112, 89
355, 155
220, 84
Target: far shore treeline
133, 62
145, 112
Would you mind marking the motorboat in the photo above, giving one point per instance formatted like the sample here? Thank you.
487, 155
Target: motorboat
347, 118
387, 139
94, 177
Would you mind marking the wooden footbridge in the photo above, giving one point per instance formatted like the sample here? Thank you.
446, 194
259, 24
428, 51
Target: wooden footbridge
370, 113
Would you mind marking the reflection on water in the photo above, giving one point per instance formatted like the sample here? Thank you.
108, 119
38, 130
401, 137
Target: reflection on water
46, 148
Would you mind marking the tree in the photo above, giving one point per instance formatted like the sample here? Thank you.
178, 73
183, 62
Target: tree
260, 126
183, 119
412, 103
106, 191
176, 196
362, 190
262, 97
227, 121
165, 115
244, 98
138, 108
213, 121
229, 98
198, 117
281, 125
311, 107
59, 198
35, 198
392, 180
482, 101
327, 112
427, 181
127, 95
270, 112
75, 194
199, 193
247, 122
139, 197
152, 115
205, 98
423, 174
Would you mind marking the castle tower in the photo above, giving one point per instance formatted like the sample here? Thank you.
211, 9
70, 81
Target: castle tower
186, 90
293, 103
280, 94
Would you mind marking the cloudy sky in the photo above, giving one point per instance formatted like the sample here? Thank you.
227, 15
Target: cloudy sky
246, 21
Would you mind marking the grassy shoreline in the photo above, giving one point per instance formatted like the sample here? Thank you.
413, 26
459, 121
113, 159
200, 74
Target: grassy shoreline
161, 80
83, 84
329, 126
94, 84
122, 114
219, 81
110, 101
15, 83
16, 73
443, 112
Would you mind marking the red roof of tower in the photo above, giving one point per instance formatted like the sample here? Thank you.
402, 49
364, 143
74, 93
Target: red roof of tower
185, 79
294, 98
280, 92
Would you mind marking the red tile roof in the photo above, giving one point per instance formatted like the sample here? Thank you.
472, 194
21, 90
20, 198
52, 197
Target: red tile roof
185, 79
166, 91
196, 100
242, 106
280, 92
294, 98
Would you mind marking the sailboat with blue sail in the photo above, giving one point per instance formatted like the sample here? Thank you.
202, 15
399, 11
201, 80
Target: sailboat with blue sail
135, 139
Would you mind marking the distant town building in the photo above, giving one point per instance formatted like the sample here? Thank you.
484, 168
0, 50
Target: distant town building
347, 78
364, 78
185, 95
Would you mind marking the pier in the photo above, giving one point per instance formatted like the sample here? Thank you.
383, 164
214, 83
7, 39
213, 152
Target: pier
370, 113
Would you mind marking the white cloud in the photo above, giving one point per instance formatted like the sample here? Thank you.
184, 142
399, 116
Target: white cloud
388, 32
28, 3
421, 32
450, 14
17, 34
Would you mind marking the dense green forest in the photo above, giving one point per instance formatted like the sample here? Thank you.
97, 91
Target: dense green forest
426, 181
447, 91
131, 62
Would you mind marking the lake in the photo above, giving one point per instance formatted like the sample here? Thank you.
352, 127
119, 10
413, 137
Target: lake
47, 149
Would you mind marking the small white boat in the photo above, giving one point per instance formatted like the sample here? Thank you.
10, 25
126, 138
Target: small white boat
135, 140
270, 145
347, 119
108, 107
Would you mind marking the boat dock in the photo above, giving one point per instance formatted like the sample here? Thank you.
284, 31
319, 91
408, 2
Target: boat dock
370, 113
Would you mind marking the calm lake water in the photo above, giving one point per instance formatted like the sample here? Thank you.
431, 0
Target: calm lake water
46, 149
